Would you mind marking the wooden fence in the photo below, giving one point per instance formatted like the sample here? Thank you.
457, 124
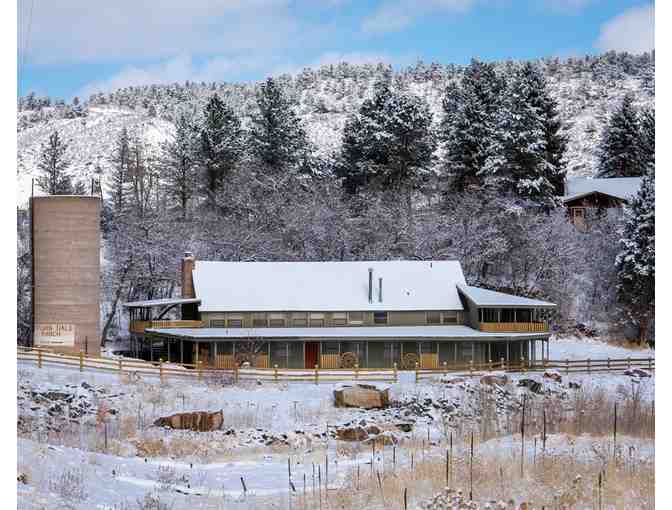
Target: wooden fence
566, 366
199, 372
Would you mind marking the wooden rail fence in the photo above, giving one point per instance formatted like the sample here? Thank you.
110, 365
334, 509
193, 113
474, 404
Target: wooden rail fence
275, 374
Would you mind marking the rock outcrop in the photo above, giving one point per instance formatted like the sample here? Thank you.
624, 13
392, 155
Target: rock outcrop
199, 421
365, 396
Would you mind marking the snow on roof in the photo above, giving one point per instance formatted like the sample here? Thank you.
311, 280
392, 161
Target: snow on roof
372, 332
619, 187
490, 298
327, 286
161, 302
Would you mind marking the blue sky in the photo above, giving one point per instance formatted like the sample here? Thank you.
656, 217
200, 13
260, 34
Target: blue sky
76, 47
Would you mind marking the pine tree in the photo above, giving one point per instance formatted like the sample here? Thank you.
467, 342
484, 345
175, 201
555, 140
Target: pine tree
53, 167
647, 121
519, 160
221, 145
277, 138
619, 149
636, 261
178, 166
468, 122
390, 140
120, 177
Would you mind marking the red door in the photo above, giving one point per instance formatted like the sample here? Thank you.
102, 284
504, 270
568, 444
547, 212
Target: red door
312, 353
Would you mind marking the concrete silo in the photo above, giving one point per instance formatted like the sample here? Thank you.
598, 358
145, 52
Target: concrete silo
66, 273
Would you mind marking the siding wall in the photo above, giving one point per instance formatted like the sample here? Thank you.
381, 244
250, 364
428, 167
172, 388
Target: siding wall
412, 318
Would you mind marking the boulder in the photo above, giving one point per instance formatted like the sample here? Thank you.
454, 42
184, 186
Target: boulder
532, 385
198, 421
351, 433
495, 378
637, 372
449, 379
404, 426
574, 385
553, 375
365, 396
384, 439
373, 429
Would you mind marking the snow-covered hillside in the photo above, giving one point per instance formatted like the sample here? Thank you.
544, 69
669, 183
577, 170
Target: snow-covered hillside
90, 142
587, 91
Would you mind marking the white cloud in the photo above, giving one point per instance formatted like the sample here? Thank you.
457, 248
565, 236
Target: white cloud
395, 15
567, 5
135, 30
178, 69
631, 31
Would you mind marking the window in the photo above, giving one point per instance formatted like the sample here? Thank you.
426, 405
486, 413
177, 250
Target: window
316, 320
355, 317
433, 317
259, 320
276, 320
380, 317
217, 323
330, 348
234, 320
300, 319
339, 318
449, 317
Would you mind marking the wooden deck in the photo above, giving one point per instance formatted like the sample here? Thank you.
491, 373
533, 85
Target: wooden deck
141, 326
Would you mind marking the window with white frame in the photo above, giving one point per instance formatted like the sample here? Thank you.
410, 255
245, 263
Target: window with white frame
380, 317
339, 318
316, 320
276, 320
259, 320
299, 319
433, 317
356, 317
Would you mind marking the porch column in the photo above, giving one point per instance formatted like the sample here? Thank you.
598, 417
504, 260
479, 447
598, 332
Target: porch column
198, 348
215, 354
151, 350
508, 357
455, 353
182, 351
473, 351
489, 351
168, 347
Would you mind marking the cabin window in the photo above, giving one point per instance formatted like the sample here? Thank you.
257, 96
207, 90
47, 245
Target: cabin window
217, 323
276, 320
330, 348
490, 315
380, 317
259, 320
433, 317
339, 318
234, 320
450, 317
355, 317
316, 320
300, 319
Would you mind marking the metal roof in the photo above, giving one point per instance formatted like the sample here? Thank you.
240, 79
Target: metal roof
327, 286
369, 332
161, 302
485, 298
618, 187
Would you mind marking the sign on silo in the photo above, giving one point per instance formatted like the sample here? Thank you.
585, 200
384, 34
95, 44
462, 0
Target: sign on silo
66, 272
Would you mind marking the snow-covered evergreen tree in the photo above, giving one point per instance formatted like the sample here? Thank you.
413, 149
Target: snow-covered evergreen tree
636, 261
468, 123
178, 163
620, 148
277, 138
647, 120
119, 177
389, 141
519, 160
54, 178
221, 145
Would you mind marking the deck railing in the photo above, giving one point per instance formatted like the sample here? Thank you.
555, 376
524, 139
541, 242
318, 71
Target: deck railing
513, 327
141, 326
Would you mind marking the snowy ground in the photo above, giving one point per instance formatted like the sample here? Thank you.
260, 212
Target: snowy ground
583, 348
264, 426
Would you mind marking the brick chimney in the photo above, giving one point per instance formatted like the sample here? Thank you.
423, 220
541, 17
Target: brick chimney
188, 264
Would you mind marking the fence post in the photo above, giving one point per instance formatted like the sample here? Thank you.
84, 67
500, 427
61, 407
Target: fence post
628, 362
235, 372
445, 367
588, 364
317, 374
81, 361
161, 369
608, 363
566, 366
501, 361
649, 363
471, 367
200, 370
394, 367
39, 359
489, 365
417, 375
275, 373
356, 371
522, 363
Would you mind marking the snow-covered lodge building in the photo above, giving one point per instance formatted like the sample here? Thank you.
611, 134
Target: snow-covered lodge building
583, 195
336, 314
